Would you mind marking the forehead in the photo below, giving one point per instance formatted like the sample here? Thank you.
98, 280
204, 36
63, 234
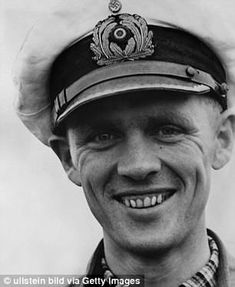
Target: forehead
143, 105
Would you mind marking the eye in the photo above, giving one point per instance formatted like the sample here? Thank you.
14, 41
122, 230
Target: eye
168, 131
104, 137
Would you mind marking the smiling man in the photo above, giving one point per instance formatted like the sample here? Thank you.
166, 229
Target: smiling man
134, 101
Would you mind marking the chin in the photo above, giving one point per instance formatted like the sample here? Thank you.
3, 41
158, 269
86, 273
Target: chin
148, 246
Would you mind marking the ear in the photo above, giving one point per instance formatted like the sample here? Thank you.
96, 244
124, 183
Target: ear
224, 139
60, 146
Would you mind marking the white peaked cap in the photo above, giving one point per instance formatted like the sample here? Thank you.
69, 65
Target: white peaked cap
212, 21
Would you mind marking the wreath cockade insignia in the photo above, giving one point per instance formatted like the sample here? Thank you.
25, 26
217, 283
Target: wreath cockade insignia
121, 38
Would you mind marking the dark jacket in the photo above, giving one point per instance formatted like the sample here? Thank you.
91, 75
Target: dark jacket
226, 271
225, 275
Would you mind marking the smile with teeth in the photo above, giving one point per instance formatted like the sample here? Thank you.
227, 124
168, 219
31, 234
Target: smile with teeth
145, 201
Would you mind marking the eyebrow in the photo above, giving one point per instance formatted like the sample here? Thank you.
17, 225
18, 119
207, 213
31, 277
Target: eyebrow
173, 117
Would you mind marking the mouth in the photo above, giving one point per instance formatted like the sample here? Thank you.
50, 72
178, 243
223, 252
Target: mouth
147, 200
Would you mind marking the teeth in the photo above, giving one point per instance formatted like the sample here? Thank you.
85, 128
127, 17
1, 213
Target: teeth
133, 203
139, 203
148, 201
127, 202
154, 200
159, 199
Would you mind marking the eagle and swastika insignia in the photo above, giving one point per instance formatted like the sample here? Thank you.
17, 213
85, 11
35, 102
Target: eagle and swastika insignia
121, 37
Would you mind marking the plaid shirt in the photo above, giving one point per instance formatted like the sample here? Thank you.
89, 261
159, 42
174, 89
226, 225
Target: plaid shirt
206, 277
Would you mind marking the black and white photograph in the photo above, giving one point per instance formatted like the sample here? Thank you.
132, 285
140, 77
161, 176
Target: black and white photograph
117, 143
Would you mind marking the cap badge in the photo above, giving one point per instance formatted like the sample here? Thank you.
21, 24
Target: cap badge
115, 6
121, 38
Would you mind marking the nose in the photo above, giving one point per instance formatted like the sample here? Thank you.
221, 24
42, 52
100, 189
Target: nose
139, 159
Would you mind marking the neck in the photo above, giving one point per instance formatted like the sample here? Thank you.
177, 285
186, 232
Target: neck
169, 268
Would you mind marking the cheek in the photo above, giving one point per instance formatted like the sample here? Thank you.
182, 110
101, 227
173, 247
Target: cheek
94, 168
191, 161
192, 165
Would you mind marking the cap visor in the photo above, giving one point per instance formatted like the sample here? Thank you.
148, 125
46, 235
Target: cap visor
130, 77
131, 84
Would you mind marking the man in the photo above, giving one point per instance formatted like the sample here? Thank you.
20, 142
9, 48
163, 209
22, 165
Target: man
134, 101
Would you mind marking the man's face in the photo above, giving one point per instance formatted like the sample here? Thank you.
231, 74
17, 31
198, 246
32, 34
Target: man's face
144, 164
